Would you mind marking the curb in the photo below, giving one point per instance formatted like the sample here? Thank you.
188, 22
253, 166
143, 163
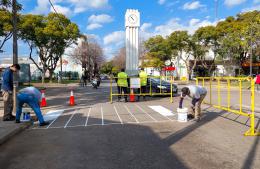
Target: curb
14, 132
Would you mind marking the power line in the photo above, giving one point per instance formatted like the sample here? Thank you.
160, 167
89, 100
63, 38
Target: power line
53, 7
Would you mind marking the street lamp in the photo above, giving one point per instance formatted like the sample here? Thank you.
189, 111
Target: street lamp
251, 44
15, 50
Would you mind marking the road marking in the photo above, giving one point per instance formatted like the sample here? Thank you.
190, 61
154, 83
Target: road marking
102, 114
118, 115
165, 116
70, 118
162, 110
53, 121
131, 114
88, 116
145, 112
52, 115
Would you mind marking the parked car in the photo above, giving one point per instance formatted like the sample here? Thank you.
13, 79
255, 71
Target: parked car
158, 85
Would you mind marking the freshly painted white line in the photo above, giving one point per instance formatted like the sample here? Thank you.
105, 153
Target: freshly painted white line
88, 116
102, 115
53, 121
70, 118
107, 124
52, 115
162, 110
145, 112
118, 115
131, 114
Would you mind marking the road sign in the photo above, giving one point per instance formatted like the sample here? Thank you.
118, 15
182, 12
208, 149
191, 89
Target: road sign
135, 83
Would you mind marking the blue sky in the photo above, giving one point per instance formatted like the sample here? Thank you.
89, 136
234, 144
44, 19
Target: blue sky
104, 19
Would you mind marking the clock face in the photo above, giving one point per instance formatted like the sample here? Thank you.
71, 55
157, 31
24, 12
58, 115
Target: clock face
132, 19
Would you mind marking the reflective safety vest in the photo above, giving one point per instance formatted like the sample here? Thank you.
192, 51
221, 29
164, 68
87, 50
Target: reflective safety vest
143, 78
122, 79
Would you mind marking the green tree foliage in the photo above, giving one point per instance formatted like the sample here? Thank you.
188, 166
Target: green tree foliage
158, 50
107, 68
50, 35
5, 27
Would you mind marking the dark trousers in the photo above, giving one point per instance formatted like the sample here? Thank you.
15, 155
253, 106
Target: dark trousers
120, 91
142, 90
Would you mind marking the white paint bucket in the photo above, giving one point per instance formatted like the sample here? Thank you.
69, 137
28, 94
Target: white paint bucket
25, 116
182, 114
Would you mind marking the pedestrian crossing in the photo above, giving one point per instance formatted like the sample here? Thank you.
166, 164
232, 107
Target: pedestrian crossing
105, 114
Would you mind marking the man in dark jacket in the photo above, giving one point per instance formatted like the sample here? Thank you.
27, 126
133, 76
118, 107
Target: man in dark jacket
7, 91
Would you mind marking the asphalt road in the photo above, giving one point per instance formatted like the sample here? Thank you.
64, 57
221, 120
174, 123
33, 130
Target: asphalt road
98, 135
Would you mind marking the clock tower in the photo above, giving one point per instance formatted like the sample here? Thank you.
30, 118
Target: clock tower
132, 24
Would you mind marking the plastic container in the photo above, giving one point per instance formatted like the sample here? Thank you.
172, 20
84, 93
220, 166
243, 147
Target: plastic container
25, 116
182, 114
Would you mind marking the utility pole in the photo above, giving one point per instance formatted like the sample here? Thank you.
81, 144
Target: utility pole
15, 51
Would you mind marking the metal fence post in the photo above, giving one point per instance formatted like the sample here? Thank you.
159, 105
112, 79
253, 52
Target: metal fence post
219, 97
210, 91
111, 91
228, 81
171, 90
240, 95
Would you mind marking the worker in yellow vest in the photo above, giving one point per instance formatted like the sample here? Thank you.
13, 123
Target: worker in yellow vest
122, 84
143, 80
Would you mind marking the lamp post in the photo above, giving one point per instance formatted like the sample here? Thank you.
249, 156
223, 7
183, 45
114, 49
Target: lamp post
15, 51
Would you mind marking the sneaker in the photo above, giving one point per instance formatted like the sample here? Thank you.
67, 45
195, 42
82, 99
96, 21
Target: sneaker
9, 118
17, 121
44, 123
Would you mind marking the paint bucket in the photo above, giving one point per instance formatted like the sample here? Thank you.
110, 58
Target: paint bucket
182, 114
25, 116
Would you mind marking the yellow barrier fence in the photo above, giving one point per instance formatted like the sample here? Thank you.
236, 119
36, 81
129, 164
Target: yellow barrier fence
160, 92
223, 84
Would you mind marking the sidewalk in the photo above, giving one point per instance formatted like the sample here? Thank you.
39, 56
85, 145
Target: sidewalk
9, 129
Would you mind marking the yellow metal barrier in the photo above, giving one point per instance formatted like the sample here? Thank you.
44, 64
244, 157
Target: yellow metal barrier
252, 130
150, 93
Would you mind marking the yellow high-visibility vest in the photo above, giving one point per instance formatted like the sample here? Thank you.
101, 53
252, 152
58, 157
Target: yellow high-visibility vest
122, 79
143, 78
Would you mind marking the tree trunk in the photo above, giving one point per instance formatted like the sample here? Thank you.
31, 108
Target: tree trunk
51, 74
43, 74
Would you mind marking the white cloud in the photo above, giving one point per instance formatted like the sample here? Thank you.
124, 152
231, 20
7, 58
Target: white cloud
83, 5
103, 18
256, 7
93, 26
161, 2
96, 21
174, 24
231, 3
115, 38
60, 9
256, 1
145, 26
42, 7
194, 22
192, 5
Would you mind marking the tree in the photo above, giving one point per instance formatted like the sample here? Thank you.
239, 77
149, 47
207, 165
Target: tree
179, 43
119, 59
50, 36
5, 27
235, 35
207, 38
107, 68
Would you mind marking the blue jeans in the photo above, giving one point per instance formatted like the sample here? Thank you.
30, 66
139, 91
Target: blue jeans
32, 102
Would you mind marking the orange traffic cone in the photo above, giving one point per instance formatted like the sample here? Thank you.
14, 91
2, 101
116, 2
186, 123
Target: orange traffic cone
72, 100
43, 102
132, 96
